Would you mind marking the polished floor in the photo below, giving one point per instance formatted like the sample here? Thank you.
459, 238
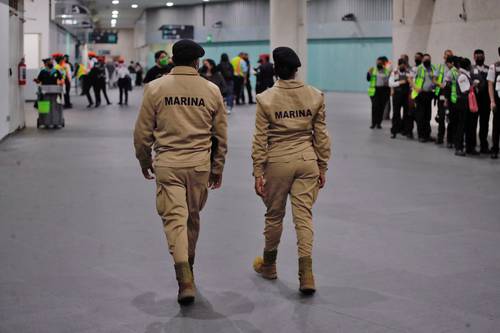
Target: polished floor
407, 236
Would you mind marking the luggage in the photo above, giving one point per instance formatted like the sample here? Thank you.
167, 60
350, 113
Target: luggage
50, 107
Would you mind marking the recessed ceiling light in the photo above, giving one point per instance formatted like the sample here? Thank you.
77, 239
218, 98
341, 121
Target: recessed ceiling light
114, 16
115, 12
113, 21
169, 4
134, 5
206, 0
115, 2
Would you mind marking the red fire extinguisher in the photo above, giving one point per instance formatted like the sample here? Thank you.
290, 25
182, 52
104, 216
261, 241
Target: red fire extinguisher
21, 73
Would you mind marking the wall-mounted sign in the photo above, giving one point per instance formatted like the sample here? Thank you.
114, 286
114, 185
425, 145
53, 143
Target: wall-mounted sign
172, 32
103, 37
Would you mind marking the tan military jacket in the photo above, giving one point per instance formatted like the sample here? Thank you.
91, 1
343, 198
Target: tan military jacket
180, 113
290, 119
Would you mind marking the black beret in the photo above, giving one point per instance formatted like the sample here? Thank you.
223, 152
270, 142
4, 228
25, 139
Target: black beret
186, 49
286, 56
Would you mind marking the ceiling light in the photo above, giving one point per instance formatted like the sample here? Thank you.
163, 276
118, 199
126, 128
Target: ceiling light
113, 21
115, 2
134, 5
206, 0
115, 12
169, 4
114, 16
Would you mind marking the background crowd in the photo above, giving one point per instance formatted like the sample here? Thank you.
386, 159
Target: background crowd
464, 94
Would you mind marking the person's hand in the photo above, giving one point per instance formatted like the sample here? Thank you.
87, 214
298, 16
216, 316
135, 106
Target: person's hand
493, 106
322, 180
392, 93
260, 184
403, 81
214, 181
146, 173
445, 103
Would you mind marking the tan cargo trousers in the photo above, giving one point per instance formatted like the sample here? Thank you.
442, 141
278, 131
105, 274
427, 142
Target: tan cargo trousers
295, 176
180, 196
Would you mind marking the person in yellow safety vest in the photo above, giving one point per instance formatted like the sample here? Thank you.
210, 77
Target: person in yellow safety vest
449, 91
240, 68
378, 91
59, 66
439, 75
423, 94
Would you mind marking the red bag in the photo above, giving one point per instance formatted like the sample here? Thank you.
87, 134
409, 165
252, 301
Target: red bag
473, 107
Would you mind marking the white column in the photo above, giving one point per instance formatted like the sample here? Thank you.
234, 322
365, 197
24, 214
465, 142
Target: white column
289, 28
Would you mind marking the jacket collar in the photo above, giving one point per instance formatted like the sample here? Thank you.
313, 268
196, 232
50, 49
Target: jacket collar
183, 70
289, 84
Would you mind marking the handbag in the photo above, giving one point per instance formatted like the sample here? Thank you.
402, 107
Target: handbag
473, 107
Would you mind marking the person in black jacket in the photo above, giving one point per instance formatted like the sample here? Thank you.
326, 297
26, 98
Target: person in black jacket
209, 71
162, 67
227, 71
264, 74
98, 79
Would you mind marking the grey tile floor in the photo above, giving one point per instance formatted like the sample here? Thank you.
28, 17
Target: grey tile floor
407, 236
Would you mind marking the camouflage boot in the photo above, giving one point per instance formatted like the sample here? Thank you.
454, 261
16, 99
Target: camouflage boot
306, 277
187, 290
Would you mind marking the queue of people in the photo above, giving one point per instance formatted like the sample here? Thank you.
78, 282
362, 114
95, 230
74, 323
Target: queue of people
464, 93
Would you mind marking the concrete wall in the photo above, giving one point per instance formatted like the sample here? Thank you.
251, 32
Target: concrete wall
434, 25
11, 94
124, 47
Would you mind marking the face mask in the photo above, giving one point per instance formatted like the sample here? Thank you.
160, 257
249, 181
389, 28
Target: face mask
418, 62
163, 62
50, 66
427, 63
402, 68
379, 66
480, 61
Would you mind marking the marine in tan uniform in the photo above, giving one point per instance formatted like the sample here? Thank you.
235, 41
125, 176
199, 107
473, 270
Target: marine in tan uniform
291, 149
183, 117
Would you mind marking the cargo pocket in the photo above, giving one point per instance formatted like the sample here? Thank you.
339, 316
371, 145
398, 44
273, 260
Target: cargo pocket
160, 200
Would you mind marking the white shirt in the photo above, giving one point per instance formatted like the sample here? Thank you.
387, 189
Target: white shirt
122, 72
464, 81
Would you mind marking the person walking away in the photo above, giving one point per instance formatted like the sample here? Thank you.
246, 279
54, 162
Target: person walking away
479, 76
68, 68
494, 92
124, 82
183, 117
399, 81
423, 95
290, 152
227, 71
161, 67
83, 76
378, 91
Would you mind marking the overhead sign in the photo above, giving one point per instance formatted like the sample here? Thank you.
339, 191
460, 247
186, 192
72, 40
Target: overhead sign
173, 32
103, 37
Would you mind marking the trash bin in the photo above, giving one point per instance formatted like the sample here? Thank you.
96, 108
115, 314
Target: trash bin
50, 108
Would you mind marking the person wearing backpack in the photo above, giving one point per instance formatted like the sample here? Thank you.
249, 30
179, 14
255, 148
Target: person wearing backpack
226, 69
494, 92
464, 84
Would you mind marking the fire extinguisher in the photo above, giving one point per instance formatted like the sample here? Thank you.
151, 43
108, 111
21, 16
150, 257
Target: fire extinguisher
21, 73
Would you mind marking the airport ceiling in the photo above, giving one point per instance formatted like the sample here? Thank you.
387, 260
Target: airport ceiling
127, 15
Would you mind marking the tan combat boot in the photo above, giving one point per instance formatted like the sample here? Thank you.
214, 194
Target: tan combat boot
266, 266
306, 276
191, 264
187, 290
